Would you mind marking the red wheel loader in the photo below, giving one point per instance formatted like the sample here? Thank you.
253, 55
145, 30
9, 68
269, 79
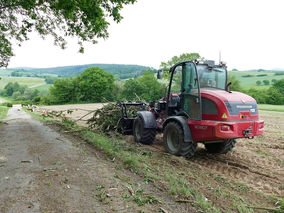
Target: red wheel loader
198, 108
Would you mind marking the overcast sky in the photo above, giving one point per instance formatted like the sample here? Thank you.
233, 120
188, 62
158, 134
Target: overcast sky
249, 34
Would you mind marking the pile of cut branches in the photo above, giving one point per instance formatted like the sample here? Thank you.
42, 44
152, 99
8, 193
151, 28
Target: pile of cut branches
50, 113
109, 117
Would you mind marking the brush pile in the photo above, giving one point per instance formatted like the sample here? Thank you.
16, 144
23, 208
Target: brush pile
110, 117
54, 114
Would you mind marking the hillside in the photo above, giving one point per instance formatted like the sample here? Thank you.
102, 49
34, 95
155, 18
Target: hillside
120, 71
248, 79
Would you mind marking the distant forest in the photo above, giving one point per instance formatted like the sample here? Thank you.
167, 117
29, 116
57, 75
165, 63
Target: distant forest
120, 71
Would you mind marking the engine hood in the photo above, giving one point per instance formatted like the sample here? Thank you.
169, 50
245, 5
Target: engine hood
225, 96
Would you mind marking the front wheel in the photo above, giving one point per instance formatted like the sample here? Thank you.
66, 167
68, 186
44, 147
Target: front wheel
141, 134
174, 141
221, 147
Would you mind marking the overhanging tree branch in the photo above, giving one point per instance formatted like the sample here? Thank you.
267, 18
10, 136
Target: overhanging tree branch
86, 20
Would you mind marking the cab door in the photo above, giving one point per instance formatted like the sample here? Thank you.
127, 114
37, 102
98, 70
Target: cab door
190, 91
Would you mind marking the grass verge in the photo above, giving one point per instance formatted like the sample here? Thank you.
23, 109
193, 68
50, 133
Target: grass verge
3, 111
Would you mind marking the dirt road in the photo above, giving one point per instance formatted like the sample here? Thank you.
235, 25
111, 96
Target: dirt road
42, 170
37, 85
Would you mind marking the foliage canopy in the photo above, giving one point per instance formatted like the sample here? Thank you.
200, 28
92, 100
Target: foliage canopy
94, 84
165, 66
279, 85
235, 86
183, 57
86, 20
18, 92
146, 87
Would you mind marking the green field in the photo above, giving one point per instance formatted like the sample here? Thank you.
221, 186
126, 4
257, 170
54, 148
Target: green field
268, 107
43, 88
21, 80
248, 82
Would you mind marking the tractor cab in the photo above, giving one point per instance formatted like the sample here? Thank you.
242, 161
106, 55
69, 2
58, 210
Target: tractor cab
187, 81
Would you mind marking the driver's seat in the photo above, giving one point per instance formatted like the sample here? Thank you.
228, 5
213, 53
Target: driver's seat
174, 104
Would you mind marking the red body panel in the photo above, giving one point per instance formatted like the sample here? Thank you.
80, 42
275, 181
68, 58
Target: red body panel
244, 124
211, 130
223, 95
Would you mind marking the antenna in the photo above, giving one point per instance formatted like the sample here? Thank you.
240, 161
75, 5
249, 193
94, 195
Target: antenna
219, 56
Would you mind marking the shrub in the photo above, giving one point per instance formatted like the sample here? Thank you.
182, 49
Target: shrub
36, 100
266, 82
63, 90
235, 83
274, 96
146, 87
279, 85
247, 76
258, 95
94, 85
279, 73
45, 100
7, 104
49, 79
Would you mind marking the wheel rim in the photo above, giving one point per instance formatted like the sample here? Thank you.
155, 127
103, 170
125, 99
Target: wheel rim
173, 140
138, 129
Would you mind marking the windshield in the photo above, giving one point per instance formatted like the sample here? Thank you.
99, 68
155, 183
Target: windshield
211, 77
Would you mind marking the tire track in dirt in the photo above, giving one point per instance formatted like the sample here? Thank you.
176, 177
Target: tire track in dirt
242, 166
242, 170
260, 174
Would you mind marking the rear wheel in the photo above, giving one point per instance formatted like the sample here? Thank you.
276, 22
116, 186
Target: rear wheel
221, 147
174, 141
141, 134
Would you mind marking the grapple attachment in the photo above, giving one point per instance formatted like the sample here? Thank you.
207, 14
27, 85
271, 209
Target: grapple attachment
129, 113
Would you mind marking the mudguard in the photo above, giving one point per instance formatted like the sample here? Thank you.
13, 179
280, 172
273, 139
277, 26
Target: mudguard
148, 119
182, 121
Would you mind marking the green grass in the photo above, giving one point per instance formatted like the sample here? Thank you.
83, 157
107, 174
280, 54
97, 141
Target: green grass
3, 111
268, 107
4, 99
21, 80
43, 88
248, 82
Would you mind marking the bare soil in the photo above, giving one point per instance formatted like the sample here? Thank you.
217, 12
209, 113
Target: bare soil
43, 170
258, 162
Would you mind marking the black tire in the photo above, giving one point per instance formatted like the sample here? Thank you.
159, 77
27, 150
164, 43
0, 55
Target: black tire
174, 141
141, 134
221, 147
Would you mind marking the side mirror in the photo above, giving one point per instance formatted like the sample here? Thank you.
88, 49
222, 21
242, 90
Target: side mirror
160, 74
227, 86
